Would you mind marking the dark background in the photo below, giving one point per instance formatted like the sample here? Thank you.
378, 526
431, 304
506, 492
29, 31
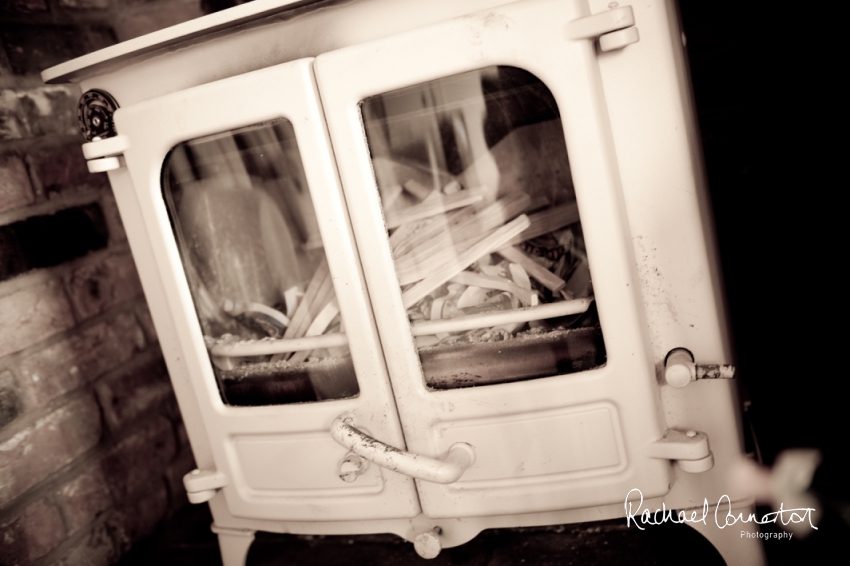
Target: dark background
770, 136
764, 140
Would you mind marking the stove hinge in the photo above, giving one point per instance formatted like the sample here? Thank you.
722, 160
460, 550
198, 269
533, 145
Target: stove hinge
615, 29
106, 154
201, 485
689, 449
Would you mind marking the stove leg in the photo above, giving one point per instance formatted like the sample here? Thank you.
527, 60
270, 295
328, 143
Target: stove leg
234, 545
737, 544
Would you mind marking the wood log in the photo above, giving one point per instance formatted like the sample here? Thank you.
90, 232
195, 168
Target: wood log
405, 232
543, 275
317, 327
520, 277
420, 261
410, 236
426, 230
472, 296
319, 293
412, 272
430, 208
548, 221
445, 272
493, 216
492, 282
292, 297
315, 298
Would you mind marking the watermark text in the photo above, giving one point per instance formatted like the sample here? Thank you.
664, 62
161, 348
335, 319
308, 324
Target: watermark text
724, 515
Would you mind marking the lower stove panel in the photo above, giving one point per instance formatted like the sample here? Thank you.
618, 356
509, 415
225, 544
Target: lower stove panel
298, 465
538, 447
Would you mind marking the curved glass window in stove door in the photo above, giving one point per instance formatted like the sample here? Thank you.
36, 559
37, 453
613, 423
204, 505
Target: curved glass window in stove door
484, 228
244, 221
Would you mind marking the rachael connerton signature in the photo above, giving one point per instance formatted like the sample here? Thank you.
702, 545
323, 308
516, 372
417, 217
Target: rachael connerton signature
724, 515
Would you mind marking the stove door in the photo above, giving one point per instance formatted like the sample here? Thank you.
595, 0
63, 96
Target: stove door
484, 194
239, 197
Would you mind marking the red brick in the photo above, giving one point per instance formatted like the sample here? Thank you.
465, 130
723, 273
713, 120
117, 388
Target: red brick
126, 397
15, 188
12, 127
43, 111
81, 358
10, 398
37, 530
95, 288
85, 497
96, 548
140, 458
51, 110
31, 315
51, 443
59, 169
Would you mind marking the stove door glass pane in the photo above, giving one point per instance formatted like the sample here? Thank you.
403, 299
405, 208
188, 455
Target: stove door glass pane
241, 211
484, 228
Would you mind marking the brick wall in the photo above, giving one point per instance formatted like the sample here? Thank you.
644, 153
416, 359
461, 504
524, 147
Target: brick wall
92, 448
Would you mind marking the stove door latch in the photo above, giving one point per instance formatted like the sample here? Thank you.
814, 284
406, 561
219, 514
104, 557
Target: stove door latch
615, 28
447, 470
201, 485
690, 449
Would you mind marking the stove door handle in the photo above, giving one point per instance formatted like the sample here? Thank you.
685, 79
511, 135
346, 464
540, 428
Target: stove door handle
448, 470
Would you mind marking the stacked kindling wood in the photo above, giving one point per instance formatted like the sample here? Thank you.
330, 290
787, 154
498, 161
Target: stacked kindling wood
314, 314
456, 257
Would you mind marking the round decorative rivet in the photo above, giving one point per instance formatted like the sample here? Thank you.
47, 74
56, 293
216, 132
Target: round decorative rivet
427, 544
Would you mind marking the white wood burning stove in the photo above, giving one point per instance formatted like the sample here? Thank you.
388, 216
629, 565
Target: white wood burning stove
424, 267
